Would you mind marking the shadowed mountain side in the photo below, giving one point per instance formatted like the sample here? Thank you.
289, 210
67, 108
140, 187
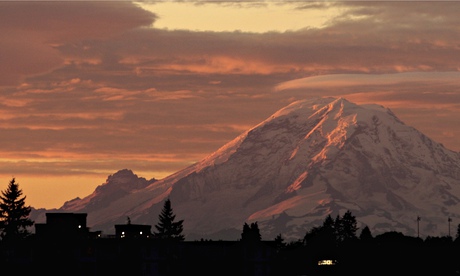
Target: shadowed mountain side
116, 186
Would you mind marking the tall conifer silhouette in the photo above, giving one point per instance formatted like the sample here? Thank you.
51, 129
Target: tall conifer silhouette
14, 214
167, 228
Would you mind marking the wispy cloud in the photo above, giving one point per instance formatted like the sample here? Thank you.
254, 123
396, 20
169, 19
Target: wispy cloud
346, 80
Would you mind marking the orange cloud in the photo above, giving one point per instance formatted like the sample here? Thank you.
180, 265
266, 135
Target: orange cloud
32, 31
228, 65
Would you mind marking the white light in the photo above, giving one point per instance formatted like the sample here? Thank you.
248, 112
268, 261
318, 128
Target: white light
140, 232
327, 262
79, 226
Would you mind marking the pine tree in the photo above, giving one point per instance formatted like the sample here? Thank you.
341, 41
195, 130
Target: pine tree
14, 214
330, 224
333, 231
167, 228
246, 234
324, 235
348, 227
279, 241
366, 234
251, 232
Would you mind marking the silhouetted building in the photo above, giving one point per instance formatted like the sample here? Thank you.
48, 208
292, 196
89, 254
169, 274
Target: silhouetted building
63, 241
63, 225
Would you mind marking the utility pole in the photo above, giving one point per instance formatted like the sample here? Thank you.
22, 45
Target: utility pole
418, 231
448, 221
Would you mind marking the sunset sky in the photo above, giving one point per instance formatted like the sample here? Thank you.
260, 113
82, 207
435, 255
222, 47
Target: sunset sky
91, 87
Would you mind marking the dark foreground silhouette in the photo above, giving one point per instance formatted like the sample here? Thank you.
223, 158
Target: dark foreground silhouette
390, 253
65, 246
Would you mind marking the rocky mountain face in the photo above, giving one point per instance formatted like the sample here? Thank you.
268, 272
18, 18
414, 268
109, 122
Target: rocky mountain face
310, 159
116, 186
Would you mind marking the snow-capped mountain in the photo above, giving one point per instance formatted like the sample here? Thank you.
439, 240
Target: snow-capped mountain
310, 159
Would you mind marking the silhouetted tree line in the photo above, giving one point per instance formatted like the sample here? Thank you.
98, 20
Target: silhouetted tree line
251, 233
391, 253
332, 248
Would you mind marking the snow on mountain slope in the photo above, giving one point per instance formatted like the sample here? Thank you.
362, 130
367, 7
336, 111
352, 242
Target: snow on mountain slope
321, 157
310, 159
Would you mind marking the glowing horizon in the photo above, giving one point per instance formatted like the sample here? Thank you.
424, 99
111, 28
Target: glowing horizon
252, 17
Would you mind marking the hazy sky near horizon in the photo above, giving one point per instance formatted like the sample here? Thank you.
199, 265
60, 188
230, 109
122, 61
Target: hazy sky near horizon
92, 87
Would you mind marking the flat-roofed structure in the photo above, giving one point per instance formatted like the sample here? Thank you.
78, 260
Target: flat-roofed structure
63, 225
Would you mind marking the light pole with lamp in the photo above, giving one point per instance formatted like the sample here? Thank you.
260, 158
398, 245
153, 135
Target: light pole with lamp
418, 231
449, 221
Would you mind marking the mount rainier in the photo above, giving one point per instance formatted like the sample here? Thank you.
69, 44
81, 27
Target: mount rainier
310, 159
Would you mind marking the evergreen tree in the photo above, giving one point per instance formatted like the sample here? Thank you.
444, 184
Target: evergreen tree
365, 234
348, 227
338, 228
312, 235
329, 223
167, 228
246, 231
329, 230
279, 241
14, 214
251, 232
332, 232
324, 235
255, 231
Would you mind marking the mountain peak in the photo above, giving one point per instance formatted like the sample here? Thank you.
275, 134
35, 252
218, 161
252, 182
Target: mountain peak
117, 185
313, 158
124, 179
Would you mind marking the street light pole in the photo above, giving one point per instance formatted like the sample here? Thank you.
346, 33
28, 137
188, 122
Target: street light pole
449, 220
418, 231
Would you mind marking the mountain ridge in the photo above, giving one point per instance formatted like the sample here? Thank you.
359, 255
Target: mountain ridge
313, 158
